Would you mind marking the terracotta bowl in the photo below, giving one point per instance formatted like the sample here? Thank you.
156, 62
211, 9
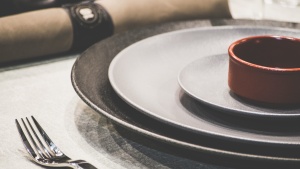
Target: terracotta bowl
266, 69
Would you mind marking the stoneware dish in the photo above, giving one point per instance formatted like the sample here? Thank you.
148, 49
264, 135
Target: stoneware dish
266, 69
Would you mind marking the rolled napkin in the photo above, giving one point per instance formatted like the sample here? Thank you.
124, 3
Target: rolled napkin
56, 30
128, 14
34, 34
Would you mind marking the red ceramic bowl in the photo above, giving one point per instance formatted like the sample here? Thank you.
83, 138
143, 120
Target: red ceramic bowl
266, 69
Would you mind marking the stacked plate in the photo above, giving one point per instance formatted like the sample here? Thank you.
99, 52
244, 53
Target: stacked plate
172, 87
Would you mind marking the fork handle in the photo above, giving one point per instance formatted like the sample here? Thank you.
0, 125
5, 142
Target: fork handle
81, 164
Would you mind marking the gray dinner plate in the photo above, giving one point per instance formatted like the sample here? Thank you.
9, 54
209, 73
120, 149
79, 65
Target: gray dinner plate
145, 76
206, 80
90, 81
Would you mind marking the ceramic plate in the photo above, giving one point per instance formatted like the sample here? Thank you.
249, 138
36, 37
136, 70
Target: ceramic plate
90, 81
145, 76
206, 80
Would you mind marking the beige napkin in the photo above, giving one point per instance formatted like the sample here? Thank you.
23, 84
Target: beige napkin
49, 31
32, 34
127, 14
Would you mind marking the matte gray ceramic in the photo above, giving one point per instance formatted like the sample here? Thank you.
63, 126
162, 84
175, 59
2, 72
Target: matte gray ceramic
145, 76
90, 81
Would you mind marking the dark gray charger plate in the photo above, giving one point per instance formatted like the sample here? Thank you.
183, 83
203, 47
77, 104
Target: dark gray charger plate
90, 80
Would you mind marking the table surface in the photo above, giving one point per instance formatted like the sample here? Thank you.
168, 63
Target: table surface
43, 89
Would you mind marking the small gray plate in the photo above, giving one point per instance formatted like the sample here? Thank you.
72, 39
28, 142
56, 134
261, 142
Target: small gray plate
206, 80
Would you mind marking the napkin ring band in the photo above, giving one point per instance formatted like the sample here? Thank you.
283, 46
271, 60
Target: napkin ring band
91, 23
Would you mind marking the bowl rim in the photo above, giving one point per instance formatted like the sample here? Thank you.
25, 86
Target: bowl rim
260, 67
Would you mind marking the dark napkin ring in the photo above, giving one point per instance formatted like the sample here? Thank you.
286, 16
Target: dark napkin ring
91, 23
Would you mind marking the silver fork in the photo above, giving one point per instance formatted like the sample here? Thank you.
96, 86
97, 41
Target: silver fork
44, 151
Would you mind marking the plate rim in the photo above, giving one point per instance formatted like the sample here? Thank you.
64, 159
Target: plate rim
168, 139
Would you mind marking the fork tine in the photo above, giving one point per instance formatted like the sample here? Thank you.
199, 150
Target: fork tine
37, 148
49, 142
38, 139
26, 142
